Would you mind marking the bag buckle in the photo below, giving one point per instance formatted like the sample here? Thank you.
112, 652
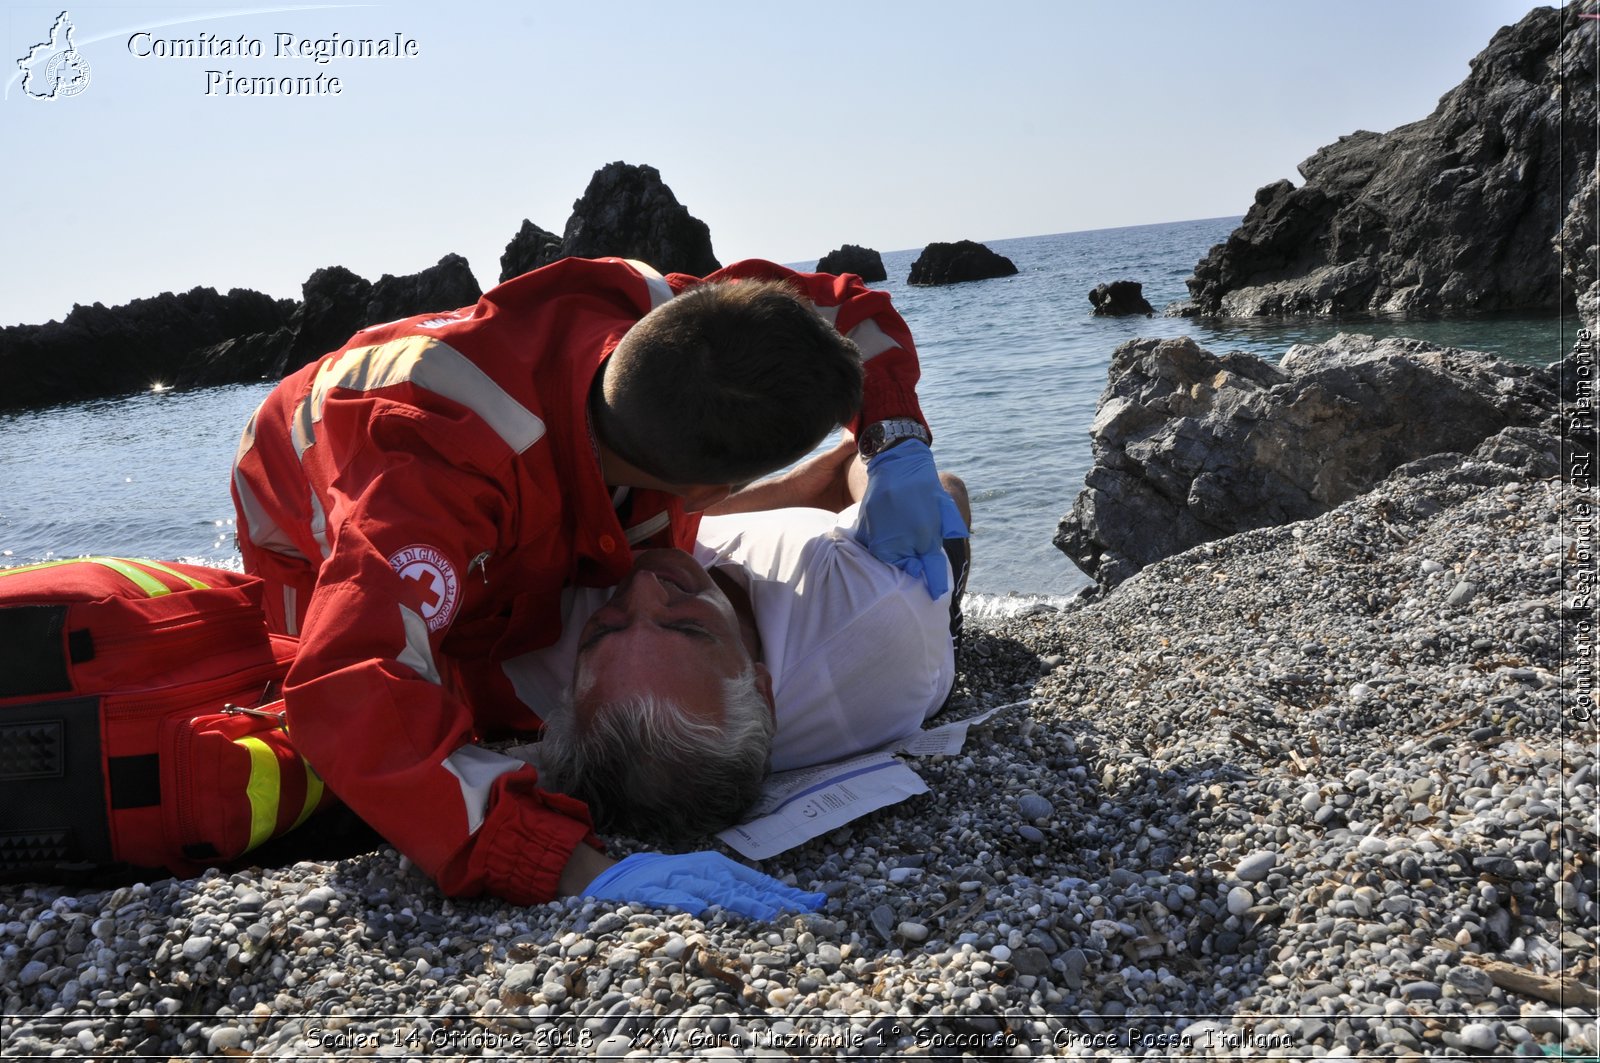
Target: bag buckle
260, 714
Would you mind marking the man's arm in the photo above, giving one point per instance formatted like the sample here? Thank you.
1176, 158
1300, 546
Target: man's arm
368, 698
830, 480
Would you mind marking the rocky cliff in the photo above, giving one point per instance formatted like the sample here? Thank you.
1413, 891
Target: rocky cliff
1453, 212
98, 350
200, 338
1191, 446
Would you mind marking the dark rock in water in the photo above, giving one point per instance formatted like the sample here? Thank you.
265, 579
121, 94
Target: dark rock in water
336, 304
446, 285
964, 260
1452, 212
628, 211
99, 350
531, 248
1190, 446
258, 356
1120, 298
200, 338
333, 307
864, 262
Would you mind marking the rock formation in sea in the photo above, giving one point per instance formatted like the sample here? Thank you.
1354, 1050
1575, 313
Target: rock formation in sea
531, 248
1190, 446
864, 262
446, 285
630, 212
98, 350
1119, 299
1453, 212
952, 263
335, 303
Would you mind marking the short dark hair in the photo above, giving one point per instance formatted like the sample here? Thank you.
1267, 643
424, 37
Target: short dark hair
725, 383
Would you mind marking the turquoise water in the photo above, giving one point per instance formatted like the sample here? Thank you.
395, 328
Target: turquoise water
1011, 371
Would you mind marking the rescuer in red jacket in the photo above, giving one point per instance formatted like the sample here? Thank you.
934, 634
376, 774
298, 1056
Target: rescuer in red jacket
419, 499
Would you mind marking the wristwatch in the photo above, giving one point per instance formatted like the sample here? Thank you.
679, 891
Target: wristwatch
881, 435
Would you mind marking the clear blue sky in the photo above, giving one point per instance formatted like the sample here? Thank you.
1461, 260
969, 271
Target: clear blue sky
886, 124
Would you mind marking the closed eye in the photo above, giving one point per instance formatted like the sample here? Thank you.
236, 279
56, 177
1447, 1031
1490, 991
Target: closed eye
692, 630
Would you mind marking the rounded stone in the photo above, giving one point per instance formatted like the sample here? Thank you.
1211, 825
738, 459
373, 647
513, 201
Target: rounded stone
1255, 867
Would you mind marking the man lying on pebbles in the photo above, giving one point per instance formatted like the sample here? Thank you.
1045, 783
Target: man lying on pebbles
780, 643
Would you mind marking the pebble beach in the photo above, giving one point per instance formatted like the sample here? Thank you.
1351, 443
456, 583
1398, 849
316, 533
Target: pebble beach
1319, 790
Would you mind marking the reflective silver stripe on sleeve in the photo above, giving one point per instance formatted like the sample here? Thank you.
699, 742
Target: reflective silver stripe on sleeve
867, 336
642, 531
247, 438
418, 654
660, 290
476, 769
428, 364
871, 339
319, 524
291, 612
262, 529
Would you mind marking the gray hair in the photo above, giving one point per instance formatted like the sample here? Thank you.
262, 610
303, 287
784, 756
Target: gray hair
645, 767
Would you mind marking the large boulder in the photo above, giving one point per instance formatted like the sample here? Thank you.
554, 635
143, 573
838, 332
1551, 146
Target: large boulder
1190, 446
1453, 212
531, 248
1119, 299
628, 211
864, 262
1577, 242
964, 260
99, 350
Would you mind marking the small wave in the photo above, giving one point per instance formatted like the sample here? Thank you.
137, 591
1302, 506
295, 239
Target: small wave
999, 606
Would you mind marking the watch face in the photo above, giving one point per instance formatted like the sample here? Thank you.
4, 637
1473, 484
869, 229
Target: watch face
874, 438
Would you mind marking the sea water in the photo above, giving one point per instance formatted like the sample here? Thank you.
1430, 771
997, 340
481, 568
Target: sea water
1011, 371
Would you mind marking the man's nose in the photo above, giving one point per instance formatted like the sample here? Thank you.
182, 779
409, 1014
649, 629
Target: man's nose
645, 590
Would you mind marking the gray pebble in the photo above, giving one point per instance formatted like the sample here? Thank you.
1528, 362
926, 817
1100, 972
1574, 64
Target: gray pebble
1033, 807
1256, 866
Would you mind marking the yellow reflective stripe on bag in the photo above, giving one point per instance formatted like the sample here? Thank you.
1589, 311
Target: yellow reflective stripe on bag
175, 574
313, 793
152, 587
263, 789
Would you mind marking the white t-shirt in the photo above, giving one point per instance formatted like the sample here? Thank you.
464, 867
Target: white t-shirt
859, 654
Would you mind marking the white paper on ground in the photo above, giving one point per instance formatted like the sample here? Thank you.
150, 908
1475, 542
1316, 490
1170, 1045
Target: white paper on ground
796, 806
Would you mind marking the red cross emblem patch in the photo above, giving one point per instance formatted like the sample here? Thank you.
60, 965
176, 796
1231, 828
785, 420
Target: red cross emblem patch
429, 584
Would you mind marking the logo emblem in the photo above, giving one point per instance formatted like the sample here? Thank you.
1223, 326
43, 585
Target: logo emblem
54, 68
430, 584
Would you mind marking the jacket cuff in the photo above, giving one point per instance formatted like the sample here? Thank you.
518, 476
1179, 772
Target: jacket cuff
885, 402
526, 841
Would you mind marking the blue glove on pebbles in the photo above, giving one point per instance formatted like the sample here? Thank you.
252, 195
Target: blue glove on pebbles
695, 881
906, 514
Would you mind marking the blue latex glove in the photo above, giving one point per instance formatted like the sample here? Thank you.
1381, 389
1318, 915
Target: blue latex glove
906, 514
695, 881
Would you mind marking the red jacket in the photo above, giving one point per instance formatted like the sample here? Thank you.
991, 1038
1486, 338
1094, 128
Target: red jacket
420, 498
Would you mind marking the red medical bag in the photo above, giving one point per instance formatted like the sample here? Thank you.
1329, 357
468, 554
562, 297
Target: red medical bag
138, 719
